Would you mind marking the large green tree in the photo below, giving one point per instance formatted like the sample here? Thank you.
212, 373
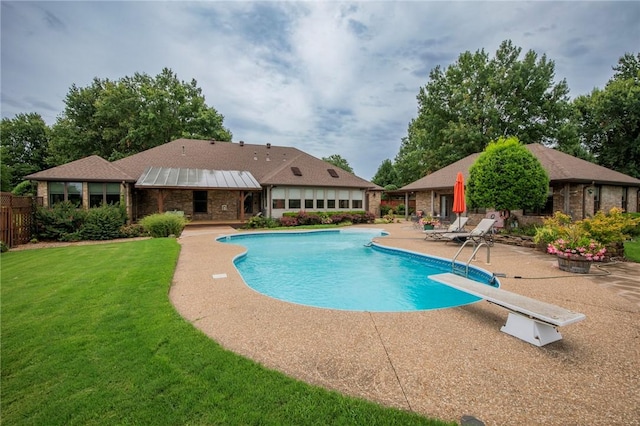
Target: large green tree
386, 175
24, 141
115, 119
479, 99
338, 161
507, 176
609, 119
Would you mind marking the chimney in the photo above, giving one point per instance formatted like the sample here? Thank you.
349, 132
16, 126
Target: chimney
212, 141
268, 145
241, 143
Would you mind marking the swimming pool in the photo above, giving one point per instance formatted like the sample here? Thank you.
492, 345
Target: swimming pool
342, 269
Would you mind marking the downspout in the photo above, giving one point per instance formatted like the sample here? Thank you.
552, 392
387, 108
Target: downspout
567, 196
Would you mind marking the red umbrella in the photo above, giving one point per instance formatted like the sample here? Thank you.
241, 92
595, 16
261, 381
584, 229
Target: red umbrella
459, 204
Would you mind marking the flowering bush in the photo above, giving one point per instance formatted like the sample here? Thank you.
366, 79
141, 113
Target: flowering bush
576, 245
428, 220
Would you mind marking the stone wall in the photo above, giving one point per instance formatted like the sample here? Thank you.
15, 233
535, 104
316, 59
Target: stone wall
221, 205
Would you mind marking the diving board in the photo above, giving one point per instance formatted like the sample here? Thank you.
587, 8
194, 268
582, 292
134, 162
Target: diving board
531, 320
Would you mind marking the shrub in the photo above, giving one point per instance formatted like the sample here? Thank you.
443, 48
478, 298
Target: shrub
288, 221
3, 247
613, 227
132, 231
161, 225
385, 209
59, 222
103, 223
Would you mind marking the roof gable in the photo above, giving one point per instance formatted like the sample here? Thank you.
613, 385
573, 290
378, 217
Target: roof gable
92, 168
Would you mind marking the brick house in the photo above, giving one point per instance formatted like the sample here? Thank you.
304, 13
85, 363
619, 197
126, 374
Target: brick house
576, 187
210, 181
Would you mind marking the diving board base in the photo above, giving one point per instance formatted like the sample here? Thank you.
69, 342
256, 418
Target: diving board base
531, 331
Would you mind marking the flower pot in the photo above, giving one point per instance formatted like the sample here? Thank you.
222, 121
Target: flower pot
428, 226
577, 266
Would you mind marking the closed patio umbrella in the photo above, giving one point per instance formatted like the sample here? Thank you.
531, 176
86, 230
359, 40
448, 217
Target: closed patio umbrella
459, 204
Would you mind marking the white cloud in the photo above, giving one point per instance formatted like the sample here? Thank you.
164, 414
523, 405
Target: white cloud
327, 77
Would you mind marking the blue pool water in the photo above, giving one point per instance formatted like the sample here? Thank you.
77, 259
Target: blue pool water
341, 270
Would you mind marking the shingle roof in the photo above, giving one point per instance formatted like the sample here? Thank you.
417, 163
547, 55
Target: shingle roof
561, 167
269, 164
92, 168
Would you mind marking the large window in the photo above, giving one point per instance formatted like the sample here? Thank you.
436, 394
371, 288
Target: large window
343, 199
277, 197
104, 193
65, 191
308, 198
320, 199
331, 199
547, 210
294, 198
356, 199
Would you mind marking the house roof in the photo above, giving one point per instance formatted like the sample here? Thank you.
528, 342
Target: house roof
268, 164
560, 167
92, 168
165, 177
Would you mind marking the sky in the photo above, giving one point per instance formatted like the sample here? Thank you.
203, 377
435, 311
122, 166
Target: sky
325, 77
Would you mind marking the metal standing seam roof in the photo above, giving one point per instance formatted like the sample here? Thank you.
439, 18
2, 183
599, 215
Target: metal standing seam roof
168, 177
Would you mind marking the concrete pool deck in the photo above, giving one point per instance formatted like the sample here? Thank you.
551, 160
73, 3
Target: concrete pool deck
445, 363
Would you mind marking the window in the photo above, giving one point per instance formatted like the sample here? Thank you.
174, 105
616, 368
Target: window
200, 204
65, 191
277, 198
331, 199
547, 210
320, 199
356, 199
343, 199
104, 193
308, 198
294, 199
596, 199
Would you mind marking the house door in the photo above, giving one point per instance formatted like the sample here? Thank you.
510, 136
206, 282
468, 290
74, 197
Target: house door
248, 203
446, 205
200, 204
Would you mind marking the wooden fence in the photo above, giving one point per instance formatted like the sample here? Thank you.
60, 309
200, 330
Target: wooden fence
17, 218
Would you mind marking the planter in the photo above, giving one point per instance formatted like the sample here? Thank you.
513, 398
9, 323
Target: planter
577, 266
428, 226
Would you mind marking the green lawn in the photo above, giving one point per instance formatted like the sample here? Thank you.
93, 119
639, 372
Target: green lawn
89, 337
632, 250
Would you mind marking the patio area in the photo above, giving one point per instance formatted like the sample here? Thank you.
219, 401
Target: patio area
445, 363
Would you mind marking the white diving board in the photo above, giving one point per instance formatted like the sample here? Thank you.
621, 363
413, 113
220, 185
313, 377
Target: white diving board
530, 320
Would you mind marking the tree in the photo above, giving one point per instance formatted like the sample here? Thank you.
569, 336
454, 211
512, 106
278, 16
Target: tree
609, 119
507, 176
115, 119
24, 141
479, 99
386, 175
339, 162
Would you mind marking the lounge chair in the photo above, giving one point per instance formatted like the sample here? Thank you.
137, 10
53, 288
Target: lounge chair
456, 226
483, 232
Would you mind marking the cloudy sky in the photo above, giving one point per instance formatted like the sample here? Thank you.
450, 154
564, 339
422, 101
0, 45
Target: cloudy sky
326, 77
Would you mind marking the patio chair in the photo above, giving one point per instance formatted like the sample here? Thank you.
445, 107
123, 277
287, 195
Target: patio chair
483, 232
456, 226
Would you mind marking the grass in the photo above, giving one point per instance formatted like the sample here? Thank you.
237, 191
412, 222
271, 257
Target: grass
632, 250
89, 337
